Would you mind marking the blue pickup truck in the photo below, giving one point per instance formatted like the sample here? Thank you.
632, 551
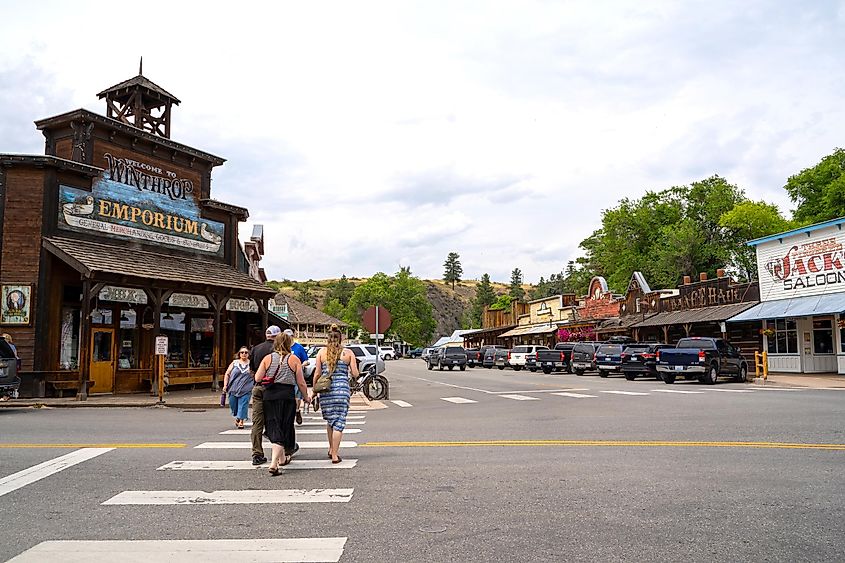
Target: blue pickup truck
706, 358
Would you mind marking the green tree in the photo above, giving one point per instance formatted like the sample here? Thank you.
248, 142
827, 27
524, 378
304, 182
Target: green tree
334, 308
746, 221
484, 297
341, 290
405, 296
819, 191
516, 291
501, 303
453, 270
304, 295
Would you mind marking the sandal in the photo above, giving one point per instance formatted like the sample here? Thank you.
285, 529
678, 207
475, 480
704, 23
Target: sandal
274, 471
241, 425
338, 460
286, 460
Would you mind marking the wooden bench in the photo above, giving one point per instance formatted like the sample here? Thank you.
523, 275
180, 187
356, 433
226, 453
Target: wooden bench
185, 376
62, 385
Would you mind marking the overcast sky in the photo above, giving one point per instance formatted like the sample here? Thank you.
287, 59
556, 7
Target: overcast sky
369, 135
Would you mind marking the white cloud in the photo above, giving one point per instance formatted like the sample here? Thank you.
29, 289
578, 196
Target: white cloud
369, 136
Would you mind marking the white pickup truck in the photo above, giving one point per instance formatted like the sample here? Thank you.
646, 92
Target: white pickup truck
516, 358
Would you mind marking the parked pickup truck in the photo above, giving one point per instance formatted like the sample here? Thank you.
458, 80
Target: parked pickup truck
707, 358
558, 359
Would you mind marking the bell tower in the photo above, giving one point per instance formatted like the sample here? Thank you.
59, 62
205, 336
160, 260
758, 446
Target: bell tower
141, 103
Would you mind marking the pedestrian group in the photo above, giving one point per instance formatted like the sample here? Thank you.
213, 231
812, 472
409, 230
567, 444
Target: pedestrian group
271, 376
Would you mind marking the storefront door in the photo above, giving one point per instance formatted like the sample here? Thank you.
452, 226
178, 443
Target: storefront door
102, 360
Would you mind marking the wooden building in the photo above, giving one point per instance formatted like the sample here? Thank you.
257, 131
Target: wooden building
111, 239
310, 325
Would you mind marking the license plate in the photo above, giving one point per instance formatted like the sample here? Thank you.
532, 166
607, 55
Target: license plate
679, 368
607, 358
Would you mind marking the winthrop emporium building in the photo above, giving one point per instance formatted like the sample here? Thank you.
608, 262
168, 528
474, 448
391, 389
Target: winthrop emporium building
112, 238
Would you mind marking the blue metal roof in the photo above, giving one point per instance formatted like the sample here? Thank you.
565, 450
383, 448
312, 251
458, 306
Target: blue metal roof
808, 229
795, 307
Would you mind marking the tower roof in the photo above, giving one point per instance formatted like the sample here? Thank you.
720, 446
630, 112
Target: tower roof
125, 88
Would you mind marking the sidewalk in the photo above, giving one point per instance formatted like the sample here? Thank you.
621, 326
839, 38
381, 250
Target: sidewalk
188, 399
815, 381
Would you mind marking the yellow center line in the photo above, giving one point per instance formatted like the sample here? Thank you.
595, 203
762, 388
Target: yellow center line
605, 443
10, 446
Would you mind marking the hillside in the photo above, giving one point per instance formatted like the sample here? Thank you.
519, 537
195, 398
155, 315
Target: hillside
448, 305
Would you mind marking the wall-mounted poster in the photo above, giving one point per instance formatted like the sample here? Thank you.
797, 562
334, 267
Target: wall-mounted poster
16, 308
127, 202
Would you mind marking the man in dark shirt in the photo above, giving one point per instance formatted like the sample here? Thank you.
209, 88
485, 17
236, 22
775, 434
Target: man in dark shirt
256, 355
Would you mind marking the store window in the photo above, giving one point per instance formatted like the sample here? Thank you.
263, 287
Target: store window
173, 327
782, 335
823, 336
129, 338
101, 317
69, 339
202, 342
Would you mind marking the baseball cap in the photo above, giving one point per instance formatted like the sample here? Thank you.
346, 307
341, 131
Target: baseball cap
289, 332
273, 330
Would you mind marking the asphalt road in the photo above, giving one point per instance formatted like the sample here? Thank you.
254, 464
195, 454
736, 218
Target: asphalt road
724, 473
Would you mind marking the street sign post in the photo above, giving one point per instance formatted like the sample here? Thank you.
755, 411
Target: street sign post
161, 353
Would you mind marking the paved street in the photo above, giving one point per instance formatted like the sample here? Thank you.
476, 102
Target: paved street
481, 465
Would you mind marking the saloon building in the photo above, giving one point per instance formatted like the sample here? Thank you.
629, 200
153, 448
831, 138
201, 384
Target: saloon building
112, 238
801, 313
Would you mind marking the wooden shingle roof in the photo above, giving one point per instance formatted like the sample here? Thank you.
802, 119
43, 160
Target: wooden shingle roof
299, 312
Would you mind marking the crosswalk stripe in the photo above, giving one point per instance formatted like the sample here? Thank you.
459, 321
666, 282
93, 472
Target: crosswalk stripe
248, 445
624, 393
238, 465
458, 400
319, 550
778, 389
247, 496
298, 431
576, 395
520, 397
402, 404
678, 391
35, 473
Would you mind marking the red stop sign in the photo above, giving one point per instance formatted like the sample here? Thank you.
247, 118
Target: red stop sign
384, 319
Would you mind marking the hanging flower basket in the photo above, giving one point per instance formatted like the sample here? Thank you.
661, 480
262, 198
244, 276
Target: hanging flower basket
767, 332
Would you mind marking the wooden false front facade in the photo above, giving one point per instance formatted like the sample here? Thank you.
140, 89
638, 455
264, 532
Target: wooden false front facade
114, 239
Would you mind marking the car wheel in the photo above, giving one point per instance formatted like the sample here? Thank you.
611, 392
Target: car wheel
547, 371
579, 372
463, 368
501, 367
517, 368
602, 373
712, 375
532, 370
668, 378
630, 376
743, 373
450, 368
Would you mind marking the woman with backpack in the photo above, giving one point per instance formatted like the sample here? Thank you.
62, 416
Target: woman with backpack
238, 383
279, 373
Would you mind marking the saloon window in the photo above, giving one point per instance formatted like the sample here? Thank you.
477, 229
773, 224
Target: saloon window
202, 342
783, 338
823, 336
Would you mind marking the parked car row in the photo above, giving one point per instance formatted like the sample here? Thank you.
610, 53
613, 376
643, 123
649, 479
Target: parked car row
706, 359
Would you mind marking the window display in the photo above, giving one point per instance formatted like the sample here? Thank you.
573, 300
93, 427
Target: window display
784, 338
173, 327
128, 338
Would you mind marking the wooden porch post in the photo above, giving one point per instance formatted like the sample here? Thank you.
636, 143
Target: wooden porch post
85, 344
665, 334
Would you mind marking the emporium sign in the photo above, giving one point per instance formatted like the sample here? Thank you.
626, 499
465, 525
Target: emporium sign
801, 265
127, 202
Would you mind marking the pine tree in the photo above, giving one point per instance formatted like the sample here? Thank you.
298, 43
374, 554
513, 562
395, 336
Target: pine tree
453, 269
484, 297
341, 290
516, 290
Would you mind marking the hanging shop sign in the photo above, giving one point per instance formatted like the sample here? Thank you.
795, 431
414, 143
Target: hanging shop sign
188, 300
799, 265
123, 295
139, 201
16, 304
278, 310
242, 305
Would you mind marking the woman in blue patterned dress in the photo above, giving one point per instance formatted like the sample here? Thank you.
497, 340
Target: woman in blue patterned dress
340, 362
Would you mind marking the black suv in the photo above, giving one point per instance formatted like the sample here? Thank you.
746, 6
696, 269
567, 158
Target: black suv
9, 380
584, 357
641, 359
488, 355
473, 357
448, 357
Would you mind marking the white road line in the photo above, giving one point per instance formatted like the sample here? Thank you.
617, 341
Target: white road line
576, 395
830, 388
238, 465
678, 391
37, 472
298, 431
402, 404
248, 496
733, 390
320, 550
779, 389
534, 391
247, 445
520, 397
624, 393
458, 400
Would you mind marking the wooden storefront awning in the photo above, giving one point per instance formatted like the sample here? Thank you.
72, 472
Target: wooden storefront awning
96, 260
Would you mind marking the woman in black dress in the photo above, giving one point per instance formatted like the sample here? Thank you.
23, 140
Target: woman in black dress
280, 371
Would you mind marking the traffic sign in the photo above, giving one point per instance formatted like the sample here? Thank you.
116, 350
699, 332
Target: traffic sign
376, 336
374, 325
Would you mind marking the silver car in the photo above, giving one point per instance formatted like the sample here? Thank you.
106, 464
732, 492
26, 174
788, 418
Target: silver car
367, 356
